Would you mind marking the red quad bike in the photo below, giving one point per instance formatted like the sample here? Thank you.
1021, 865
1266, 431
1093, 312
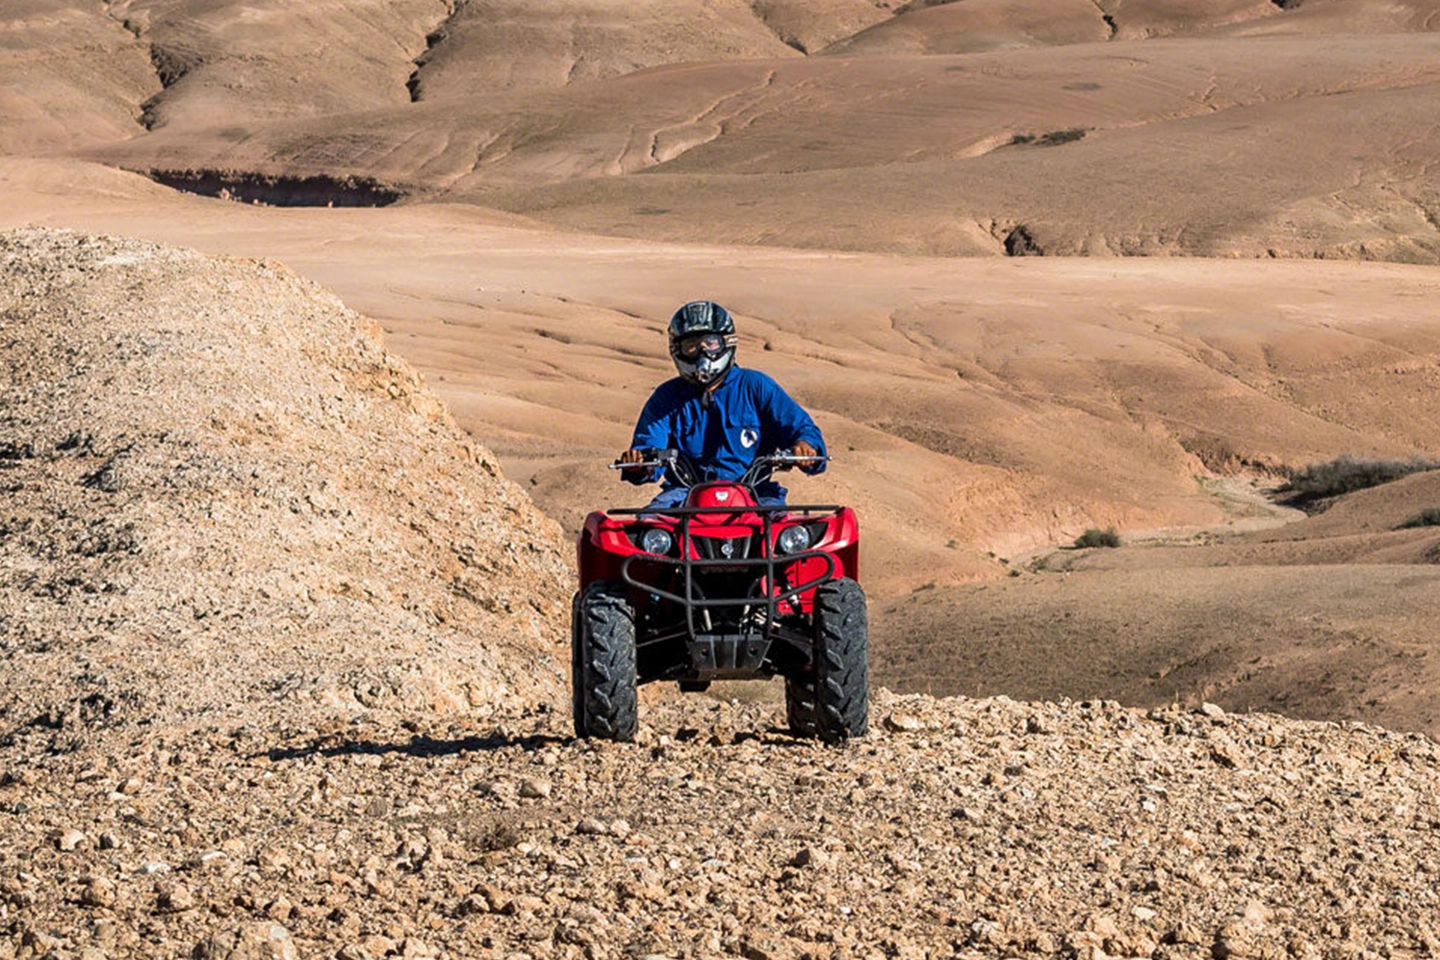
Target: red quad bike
720, 589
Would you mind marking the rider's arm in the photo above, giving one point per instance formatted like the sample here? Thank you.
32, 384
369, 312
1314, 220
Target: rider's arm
789, 424
652, 430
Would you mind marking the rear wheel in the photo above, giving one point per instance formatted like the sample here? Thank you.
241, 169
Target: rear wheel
842, 668
800, 705
602, 663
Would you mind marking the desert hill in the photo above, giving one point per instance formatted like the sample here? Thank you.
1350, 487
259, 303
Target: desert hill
222, 491
1323, 618
980, 408
249, 493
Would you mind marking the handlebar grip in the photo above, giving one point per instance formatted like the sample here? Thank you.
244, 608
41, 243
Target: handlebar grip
654, 457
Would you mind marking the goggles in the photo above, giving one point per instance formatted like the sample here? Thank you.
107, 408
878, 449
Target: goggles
706, 343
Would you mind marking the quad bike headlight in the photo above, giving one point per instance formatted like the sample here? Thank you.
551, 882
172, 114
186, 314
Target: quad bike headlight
656, 540
793, 539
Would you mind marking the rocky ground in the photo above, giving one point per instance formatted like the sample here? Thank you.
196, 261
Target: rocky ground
282, 678
958, 828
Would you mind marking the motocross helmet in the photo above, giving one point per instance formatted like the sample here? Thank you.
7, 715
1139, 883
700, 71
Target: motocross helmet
702, 342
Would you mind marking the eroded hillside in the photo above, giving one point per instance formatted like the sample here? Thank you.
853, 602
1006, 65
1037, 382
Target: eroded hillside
223, 494
989, 127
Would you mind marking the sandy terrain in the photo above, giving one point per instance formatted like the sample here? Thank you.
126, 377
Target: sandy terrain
1036, 268
778, 158
260, 703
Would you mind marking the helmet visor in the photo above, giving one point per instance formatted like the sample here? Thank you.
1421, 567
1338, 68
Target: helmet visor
706, 343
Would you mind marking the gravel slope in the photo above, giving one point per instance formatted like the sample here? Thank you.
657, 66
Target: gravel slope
223, 494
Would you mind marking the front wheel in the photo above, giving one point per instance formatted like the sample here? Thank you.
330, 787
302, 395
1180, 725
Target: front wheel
842, 667
602, 663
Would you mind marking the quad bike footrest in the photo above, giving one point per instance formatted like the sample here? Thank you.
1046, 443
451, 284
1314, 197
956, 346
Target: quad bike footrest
727, 656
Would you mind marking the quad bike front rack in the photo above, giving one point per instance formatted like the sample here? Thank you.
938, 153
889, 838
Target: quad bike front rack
687, 564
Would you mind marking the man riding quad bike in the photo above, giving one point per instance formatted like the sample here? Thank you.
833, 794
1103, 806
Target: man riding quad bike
717, 578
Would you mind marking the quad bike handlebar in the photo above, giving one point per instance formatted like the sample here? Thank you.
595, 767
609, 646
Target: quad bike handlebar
654, 457
688, 474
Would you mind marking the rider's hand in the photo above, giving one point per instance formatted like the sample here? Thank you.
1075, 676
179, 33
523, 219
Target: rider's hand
633, 474
805, 452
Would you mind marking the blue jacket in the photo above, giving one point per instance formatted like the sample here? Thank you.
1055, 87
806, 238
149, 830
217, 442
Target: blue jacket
747, 415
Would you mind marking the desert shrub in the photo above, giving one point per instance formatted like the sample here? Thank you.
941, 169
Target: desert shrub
1056, 137
1098, 538
1429, 517
1052, 138
1346, 474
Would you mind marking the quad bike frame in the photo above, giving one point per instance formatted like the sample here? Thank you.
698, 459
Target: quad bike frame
721, 588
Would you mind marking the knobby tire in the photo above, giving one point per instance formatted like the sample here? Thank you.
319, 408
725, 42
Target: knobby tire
608, 707
842, 669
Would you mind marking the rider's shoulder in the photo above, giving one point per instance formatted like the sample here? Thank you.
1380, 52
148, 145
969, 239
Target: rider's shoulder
672, 390
754, 380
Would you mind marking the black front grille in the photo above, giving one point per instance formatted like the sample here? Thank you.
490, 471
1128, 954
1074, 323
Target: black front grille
722, 548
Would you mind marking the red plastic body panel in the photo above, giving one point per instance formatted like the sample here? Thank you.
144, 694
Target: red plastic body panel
605, 541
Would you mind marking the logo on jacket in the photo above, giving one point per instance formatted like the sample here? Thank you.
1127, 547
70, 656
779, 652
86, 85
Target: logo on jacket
749, 437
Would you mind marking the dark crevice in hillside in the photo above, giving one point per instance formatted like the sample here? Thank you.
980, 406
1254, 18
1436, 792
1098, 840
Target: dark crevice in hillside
130, 26
1109, 19
280, 191
1431, 217
171, 65
144, 118
1020, 242
1288, 4
1051, 138
413, 83
915, 5
789, 41
433, 39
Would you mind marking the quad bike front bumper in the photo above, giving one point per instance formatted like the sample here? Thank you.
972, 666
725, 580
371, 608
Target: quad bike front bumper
674, 578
